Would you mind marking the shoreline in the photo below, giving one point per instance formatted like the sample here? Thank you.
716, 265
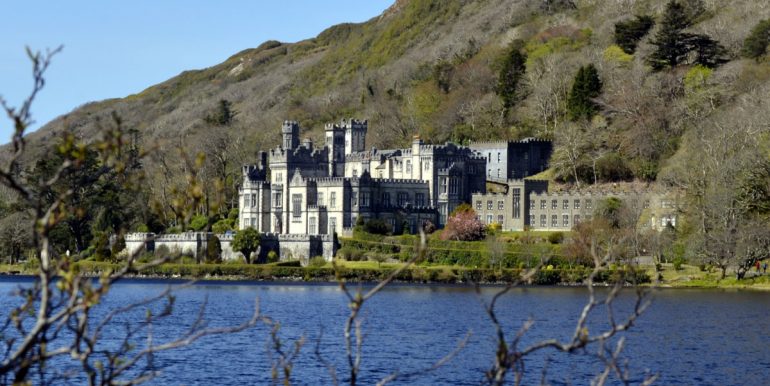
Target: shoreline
323, 276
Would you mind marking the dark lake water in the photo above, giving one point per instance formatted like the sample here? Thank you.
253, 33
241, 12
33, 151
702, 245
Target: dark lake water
688, 337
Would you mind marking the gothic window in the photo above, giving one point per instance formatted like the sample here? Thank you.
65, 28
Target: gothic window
408, 166
531, 204
403, 198
478, 204
565, 204
588, 204
332, 225
296, 205
253, 222
454, 185
532, 220
516, 203
554, 204
253, 200
565, 220
554, 221
577, 204
500, 205
489, 219
542, 204
543, 222
419, 199
577, 219
443, 183
277, 199
385, 198
500, 219
333, 200
353, 199
498, 158
365, 199
320, 199
442, 211
489, 205
312, 226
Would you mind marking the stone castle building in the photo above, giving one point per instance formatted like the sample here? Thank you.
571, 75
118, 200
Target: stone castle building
325, 190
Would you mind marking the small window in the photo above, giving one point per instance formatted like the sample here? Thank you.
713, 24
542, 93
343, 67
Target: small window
565, 204
554, 221
565, 220
419, 199
500, 205
588, 204
577, 204
320, 199
296, 205
333, 200
478, 204
577, 219
489, 219
543, 221
500, 219
542, 204
498, 173
489, 205
554, 204
532, 220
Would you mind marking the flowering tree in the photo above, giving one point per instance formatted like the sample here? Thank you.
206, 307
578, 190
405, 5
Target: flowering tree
463, 225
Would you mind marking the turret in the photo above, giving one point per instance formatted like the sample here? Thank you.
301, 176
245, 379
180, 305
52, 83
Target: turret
355, 135
290, 132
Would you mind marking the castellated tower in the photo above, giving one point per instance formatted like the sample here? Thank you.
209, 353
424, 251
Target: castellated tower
290, 132
355, 135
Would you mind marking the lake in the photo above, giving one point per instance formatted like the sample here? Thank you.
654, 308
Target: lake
689, 337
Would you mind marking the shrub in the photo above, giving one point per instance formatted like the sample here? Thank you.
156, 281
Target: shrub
678, 261
376, 226
199, 222
616, 54
318, 261
214, 250
755, 45
556, 237
272, 257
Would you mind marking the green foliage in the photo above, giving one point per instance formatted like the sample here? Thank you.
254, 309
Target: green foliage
318, 261
223, 115
671, 42
246, 241
629, 32
697, 76
509, 79
616, 54
674, 45
556, 237
612, 167
755, 45
376, 226
272, 257
586, 87
443, 71
199, 222
224, 225
214, 250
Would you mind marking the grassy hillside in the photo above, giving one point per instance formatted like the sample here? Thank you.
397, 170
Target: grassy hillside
432, 67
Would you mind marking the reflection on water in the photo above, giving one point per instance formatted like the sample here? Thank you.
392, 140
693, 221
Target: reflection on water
687, 336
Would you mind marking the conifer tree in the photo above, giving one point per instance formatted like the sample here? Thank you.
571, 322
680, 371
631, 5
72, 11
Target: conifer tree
511, 72
755, 45
672, 44
629, 32
586, 87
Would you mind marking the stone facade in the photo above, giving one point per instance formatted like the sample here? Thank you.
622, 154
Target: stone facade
302, 247
528, 204
324, 190
514, 159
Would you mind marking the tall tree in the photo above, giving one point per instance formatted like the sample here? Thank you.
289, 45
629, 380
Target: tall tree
672, 44
586, 87
246, 241
755, 45
514, 66
629, 32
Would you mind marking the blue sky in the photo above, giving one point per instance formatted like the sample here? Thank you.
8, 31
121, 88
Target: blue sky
113, 49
